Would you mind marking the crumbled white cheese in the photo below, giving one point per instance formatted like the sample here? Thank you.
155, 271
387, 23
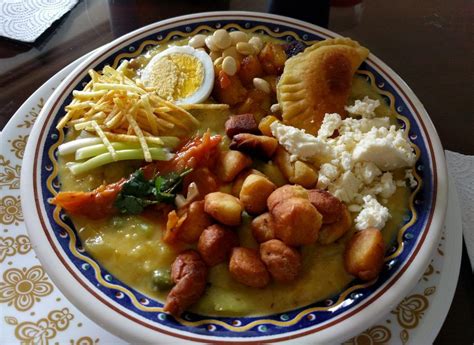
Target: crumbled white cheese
345, 187
330, 123
327, 174
386, 148
300, 144
365, 108
373, 214
387, 185
411, 179
363, 125
358, 161
367, 172
346, 160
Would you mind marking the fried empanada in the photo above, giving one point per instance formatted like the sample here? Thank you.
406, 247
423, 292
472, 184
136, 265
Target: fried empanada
318, 81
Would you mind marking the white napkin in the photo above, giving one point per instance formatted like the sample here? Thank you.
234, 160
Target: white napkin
461, 167
26, 20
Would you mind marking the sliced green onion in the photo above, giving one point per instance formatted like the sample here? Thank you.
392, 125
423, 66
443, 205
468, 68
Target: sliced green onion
95, 150
79, 144
157, 154
170, 142
73, 146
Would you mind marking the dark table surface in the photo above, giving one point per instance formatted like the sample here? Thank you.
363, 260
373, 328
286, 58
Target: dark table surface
428, 42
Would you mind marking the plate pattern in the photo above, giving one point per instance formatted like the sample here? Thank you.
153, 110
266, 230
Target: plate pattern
48, 318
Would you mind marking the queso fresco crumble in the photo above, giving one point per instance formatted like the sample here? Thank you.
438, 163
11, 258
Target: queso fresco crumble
356, 166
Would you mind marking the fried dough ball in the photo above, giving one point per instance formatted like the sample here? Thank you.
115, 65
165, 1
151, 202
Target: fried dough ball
283, 262
328, 205
297, 222
286, 192
330, 233
364, 254
254, 193
263, 228
216, 243
189, 273
230, 164
247, 268
195, 223
239, 180
224, 208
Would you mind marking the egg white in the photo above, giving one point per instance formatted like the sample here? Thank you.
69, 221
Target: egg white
205, 89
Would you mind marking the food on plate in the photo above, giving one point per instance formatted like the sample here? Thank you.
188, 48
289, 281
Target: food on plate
284, 193
263, 228
181, 74
255, 145
190, 223
243, 123
364, 254
283, 262
230, 164
328, 205
216, 243
247, 268
297, 221
224, 208
329, 233
254, 193
234, 174
297, 171
318, 82
189, 273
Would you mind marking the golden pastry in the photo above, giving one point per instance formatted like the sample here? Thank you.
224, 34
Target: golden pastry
318, 81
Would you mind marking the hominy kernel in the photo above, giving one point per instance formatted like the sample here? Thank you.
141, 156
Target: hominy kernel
261, 84
257, 43
275, 108
211, 44
198, 41
238, 36
231, 51
222, 39
245, 48
229, 65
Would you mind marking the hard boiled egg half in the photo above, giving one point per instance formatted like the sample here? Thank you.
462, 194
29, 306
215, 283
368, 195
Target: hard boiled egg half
180, 74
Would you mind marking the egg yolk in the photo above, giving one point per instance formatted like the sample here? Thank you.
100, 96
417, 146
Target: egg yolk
177, 76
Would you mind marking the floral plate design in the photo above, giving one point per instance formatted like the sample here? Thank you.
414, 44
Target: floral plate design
134, 316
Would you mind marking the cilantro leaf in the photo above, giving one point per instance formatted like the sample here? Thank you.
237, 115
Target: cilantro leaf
138, 192
166, 185
132, 199
137, 185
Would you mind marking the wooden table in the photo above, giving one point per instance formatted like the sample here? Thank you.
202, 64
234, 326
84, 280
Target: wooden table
428, 42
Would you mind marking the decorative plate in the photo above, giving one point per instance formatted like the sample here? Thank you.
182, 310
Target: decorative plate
136, 317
